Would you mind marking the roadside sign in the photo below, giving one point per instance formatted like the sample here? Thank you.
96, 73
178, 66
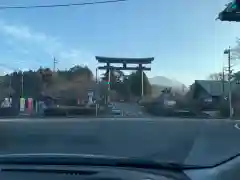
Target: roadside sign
22, 104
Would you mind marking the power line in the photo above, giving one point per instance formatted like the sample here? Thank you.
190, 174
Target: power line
61, 5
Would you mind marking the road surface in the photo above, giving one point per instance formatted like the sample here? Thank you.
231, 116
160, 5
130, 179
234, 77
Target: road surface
130, 109
190, 141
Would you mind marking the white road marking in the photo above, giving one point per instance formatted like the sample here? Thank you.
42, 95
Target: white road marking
237, 126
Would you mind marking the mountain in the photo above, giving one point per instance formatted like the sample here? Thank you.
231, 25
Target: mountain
162, 82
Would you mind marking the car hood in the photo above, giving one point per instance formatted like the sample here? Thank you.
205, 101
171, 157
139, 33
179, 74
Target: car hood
185, 141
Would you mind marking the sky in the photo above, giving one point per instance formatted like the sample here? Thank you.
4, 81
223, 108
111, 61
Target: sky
182, 35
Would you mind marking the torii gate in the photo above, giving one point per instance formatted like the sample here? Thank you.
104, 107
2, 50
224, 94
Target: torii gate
108, 61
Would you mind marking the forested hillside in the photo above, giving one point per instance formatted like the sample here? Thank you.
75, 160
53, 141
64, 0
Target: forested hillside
71, 84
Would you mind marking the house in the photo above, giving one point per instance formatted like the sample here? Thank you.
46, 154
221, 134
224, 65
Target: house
166, 99
210, 93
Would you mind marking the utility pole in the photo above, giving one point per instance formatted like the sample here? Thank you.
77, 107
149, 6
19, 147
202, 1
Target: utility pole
223, 80
228, 52
96, 75
22, 84
54, 64
10, 85
109, 85
96, 94
142, 83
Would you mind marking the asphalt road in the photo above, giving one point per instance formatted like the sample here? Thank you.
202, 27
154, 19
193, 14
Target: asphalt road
190, 141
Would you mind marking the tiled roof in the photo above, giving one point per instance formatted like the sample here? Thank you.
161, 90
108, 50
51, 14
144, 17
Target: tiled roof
101, 59
215, 88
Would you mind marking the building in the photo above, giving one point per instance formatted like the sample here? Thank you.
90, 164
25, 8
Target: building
210, 93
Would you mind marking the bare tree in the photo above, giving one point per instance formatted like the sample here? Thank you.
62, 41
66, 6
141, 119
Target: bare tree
216, 76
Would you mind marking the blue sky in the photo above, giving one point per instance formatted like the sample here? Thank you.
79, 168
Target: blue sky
182, 35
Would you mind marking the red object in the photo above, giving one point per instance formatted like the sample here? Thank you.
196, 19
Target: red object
30, 105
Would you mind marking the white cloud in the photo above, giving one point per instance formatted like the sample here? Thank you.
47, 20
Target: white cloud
77, 57
19, 32
42, 43
24, 33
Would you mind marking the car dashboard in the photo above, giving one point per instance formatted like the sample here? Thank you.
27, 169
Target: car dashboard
36, 172
229, 170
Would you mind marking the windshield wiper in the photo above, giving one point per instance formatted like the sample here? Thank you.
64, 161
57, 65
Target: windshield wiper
89, 160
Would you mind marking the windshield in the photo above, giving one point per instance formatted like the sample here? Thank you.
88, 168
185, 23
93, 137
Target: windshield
143, 79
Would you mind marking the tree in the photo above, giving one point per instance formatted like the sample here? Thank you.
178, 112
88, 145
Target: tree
16, 81
32, 84
236, 89
113, 78
122, 86
236, 76
78, 71
46, 75
216, 76
77, 78
117, 81
136, 83
71, 84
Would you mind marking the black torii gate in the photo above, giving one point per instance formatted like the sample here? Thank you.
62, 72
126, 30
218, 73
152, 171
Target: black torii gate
140, 62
